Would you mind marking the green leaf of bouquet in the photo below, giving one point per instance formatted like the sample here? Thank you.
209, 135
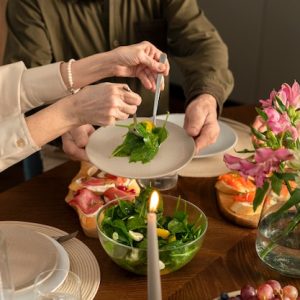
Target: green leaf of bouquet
294, 200
276, 184
258, 134
244, 151
260, 194
286, 176
282, 107
261, 113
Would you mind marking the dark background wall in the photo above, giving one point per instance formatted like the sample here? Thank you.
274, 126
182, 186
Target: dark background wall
263, 37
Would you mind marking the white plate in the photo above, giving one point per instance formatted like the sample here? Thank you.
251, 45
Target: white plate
80, 258
231, 294
55, 281
174, 153
29, 254
226, 140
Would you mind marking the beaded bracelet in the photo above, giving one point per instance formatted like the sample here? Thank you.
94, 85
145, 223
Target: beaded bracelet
70, 77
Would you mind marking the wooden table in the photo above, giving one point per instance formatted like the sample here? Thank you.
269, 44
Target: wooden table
226, 261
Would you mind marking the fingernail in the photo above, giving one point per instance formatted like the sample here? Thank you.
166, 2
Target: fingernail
161, 67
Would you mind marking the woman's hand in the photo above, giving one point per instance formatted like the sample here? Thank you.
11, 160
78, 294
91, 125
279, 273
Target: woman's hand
138, 60
141, 61
75, 140
103, 104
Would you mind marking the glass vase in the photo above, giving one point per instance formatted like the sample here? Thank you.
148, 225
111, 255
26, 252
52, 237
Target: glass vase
278, 238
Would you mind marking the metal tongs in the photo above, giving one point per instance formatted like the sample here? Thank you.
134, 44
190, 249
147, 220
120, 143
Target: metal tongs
162, 59
133, 130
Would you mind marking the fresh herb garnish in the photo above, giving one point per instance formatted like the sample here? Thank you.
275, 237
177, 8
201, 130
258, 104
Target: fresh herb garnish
142, 141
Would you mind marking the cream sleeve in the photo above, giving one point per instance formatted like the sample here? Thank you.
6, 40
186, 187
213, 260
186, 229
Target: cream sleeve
15, 141
41, 85
20, 91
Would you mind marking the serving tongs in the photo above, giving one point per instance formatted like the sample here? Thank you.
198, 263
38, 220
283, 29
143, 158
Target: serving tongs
133, 129
162, 59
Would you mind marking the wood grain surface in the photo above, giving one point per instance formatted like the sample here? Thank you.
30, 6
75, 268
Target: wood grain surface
226, 261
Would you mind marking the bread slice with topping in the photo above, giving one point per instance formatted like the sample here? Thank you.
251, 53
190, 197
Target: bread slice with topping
91, 188
235, 196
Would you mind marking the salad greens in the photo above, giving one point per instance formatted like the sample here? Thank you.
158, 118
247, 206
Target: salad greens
142, 141
126, 223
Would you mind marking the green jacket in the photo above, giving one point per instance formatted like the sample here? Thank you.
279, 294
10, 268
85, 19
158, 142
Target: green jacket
45, 31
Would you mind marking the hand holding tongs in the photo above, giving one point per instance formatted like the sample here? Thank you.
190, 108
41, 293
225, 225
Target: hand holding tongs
162, 59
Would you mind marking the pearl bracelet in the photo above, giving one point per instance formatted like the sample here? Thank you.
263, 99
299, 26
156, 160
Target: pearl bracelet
70, 77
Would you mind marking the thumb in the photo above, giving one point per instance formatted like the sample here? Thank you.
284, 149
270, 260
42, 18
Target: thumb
192, 124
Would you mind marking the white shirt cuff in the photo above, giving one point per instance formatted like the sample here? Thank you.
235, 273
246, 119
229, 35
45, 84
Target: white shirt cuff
15, 141
42, 85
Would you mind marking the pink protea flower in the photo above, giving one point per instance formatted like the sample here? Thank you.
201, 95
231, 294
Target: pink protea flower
290, 95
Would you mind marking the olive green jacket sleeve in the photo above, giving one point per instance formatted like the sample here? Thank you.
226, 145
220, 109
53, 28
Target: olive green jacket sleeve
44, 31
198, 50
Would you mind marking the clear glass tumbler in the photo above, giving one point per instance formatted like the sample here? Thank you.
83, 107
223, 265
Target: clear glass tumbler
161, 183
57, 284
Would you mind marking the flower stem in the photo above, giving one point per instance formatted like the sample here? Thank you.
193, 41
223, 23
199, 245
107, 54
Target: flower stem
291, 226
290, 192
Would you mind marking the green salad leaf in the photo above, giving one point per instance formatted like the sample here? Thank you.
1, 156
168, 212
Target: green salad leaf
126, 223
142, 141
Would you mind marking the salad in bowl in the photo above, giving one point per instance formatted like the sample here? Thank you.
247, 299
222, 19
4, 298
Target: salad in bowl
122, 230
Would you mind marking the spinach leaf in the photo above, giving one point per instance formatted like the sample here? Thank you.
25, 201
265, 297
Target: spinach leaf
141, 143
135, 222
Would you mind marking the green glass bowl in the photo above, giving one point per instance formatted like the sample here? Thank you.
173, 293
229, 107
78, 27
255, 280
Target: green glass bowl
135, 259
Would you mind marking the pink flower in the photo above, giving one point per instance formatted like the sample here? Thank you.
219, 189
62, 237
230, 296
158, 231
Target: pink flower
290, 95
263, 155
280, 123
268, 102
265, 161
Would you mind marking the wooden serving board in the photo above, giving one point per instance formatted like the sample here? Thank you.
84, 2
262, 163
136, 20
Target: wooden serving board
244, 217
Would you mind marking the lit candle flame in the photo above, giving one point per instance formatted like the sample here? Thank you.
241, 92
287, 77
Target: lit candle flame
154, 199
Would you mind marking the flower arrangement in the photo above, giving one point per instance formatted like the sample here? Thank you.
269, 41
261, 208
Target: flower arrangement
275, 160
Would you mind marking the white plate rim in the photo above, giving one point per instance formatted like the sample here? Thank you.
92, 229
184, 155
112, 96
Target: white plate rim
24, 231
82, 260
62, 263
178, 118
161, 165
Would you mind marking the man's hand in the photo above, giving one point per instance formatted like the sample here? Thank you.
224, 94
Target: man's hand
75, 140
201, 121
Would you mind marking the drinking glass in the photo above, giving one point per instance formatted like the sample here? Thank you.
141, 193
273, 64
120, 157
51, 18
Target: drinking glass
161, 183
6, 283
45, 286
